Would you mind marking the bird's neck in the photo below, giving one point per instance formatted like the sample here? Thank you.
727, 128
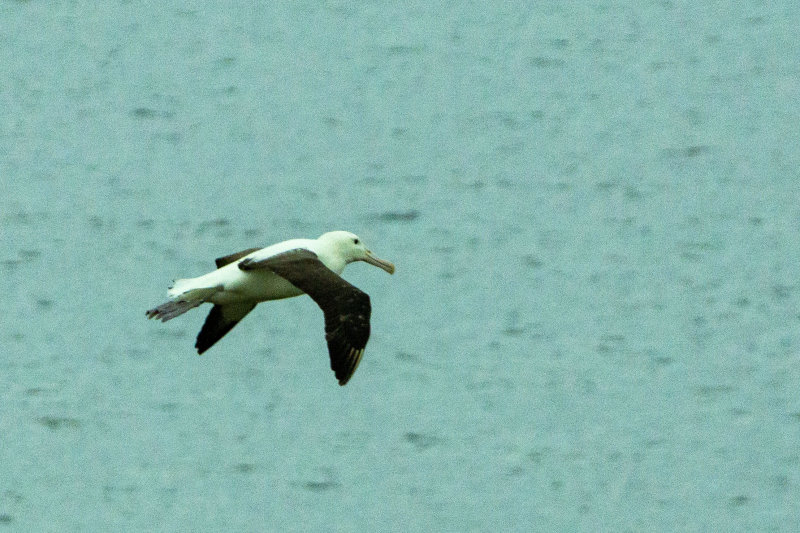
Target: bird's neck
333, 261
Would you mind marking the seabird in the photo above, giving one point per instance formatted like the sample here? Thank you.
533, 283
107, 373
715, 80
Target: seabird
283, 270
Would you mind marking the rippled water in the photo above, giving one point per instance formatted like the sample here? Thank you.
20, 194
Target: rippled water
594, 215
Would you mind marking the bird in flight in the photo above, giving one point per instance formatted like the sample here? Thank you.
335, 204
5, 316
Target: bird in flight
283, 270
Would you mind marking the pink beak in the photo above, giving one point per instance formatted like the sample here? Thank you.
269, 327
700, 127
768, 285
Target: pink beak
388, 266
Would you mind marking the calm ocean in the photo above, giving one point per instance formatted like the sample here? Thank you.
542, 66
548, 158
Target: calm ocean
594, 209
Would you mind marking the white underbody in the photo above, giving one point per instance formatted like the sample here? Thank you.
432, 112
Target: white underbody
231, 285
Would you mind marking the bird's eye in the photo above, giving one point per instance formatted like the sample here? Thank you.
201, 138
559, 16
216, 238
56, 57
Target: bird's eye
355, 241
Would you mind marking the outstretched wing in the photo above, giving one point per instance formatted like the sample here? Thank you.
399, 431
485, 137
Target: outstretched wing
220, 321
347, 309
222, 261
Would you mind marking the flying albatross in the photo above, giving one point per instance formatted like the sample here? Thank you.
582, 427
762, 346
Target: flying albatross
286, 269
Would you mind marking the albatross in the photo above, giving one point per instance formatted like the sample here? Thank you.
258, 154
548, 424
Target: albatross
283, 270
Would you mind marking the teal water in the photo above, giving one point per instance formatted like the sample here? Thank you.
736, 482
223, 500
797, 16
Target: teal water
594, 215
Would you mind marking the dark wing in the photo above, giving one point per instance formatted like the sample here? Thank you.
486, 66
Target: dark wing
220, 321
346, 308
228, 259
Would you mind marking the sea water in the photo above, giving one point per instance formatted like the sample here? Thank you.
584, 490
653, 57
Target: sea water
593, 210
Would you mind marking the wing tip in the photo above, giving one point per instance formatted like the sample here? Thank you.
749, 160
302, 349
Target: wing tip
346, 371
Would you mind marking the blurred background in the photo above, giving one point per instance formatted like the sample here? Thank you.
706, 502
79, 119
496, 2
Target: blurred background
593, 210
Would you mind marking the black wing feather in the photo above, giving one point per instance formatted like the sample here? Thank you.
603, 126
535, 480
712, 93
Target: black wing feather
222, 261
219, 322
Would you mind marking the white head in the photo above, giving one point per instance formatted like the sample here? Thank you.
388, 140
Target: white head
351, 248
